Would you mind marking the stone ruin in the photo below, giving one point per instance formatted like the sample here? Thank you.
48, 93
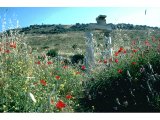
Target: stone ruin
101, 19
100, 25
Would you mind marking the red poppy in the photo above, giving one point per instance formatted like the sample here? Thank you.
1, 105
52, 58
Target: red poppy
38, 62
52, 101
43, 82
135, 50
124, 51
65, 67
68, 96
13, 44
77, 72
49, 62
133, 63
57, 77
116, 60
7, 51
60, 104
116, 53
120, 49
105, 61
83, 67
119, 71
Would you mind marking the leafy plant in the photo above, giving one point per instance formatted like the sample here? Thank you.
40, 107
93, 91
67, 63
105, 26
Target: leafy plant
78, 58
52, 53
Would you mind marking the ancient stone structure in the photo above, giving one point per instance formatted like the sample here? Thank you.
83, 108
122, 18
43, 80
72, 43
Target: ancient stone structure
101, 19
89, 58
100, 25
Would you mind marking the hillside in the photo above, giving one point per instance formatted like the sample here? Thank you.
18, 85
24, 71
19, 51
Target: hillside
64, 37
54, 29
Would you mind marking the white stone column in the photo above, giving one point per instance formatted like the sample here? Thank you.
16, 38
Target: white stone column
89, 58
108, 44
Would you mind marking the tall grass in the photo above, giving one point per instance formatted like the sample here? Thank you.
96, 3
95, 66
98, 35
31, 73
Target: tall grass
30, 84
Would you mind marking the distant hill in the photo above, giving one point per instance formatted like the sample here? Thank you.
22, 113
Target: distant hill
56, 29
53, 29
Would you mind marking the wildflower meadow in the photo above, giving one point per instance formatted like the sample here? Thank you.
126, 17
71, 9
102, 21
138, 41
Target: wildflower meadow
34, 81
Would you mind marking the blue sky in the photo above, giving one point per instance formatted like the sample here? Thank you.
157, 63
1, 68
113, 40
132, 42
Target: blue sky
71, 15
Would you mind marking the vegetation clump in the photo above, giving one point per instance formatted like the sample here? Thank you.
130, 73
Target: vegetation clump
129, 85
77, 58
52, 52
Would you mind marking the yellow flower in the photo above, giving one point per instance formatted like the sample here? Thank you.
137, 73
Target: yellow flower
61, 86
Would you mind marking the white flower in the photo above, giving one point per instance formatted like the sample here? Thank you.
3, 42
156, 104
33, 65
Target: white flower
128, 73
32, 97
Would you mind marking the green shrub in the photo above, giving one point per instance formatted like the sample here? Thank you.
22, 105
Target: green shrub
78, 58
74, 46
52, 53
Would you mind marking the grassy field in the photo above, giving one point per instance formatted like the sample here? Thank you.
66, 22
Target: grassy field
31, 84
64, 42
